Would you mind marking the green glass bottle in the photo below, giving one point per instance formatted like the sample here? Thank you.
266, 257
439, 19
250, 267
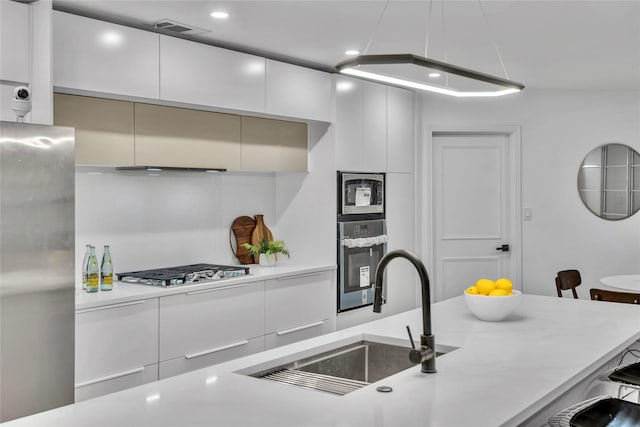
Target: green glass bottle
93, 276
106, 270
85, 261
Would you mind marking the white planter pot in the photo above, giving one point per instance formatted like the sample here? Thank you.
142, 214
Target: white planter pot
268, 260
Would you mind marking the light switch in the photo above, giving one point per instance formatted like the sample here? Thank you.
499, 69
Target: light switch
528, 214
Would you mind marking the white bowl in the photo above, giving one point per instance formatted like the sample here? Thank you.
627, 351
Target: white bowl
492, 309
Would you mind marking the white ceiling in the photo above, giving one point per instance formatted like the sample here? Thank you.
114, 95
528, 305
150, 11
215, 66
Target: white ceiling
544, 44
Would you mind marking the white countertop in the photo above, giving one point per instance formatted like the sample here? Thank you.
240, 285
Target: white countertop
501, 374
125, 292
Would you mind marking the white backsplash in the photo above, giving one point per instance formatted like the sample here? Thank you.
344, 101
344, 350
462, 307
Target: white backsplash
171, 219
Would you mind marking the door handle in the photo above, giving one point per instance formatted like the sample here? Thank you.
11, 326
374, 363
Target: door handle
503, 248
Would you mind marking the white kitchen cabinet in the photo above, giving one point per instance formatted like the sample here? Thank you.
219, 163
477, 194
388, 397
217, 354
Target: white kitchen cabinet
98, 56
400, 130
361, 125
401, 275
210, 326
15, 47
178, 137
104, 128
213, 356
297, 307
300, 92
197, 73
116, 347
374, 122
274, 145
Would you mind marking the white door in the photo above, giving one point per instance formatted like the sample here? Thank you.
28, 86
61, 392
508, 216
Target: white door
475, 211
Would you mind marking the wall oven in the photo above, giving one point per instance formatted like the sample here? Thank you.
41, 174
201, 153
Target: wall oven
360, 196
361, 246
362, 236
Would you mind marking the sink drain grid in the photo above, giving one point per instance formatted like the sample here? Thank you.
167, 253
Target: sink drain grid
313, 381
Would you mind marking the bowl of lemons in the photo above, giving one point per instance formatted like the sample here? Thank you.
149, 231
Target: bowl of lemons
492, 301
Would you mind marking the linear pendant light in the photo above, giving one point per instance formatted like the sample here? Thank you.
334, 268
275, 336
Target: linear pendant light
368, 67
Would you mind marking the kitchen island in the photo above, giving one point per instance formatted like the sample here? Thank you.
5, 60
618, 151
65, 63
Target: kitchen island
499, 374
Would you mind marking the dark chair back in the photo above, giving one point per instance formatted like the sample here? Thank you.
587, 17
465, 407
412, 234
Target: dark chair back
568, 279
614, 296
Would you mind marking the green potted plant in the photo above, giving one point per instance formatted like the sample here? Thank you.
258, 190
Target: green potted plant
268, 251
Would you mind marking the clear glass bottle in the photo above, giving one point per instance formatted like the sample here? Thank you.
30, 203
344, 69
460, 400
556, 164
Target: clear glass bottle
87, 253
106, 270
93, 276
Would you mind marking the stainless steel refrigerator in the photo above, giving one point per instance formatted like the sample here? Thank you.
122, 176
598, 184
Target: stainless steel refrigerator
37, 291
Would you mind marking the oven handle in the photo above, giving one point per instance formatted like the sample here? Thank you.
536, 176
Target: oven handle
365, 242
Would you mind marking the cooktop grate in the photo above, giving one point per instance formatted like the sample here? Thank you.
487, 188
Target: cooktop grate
183, 274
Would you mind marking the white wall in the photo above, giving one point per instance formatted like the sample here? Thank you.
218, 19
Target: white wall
559, 128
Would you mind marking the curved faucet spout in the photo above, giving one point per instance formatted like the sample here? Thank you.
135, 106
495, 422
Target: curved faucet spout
426, 339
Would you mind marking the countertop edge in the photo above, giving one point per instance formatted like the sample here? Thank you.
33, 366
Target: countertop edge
126, 292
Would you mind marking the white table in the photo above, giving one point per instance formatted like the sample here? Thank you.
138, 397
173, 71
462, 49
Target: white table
629, 282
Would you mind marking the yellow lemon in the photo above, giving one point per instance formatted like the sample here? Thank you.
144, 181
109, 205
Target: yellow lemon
504, 283
498, 293
472, 290
485, 286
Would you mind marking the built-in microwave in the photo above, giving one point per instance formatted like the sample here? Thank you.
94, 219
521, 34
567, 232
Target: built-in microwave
360, 194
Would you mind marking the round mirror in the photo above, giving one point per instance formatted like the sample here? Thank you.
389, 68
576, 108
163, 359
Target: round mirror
609, 181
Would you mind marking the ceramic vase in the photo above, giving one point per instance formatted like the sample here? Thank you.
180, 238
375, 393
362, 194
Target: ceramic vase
268, 260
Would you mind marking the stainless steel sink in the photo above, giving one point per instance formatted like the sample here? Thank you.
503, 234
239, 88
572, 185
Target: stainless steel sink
343, 369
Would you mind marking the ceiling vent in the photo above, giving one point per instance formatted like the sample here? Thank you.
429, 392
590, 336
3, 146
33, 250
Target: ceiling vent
177, 27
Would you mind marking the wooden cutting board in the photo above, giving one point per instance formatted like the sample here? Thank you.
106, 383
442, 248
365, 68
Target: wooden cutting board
260, 232
242, 228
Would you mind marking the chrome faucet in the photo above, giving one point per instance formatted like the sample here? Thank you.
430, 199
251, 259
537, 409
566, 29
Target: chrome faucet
426, 354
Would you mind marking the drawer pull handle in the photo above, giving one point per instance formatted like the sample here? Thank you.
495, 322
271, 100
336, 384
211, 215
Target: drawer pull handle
110, 377
215, 350
108, 307
299, 328
204, 291
298, 276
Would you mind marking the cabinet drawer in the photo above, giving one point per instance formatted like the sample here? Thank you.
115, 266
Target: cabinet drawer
116, 382
115, 338
201, 320
210, 357
299, 333
295, 301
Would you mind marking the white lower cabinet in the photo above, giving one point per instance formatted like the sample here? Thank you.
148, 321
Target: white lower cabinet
116, 347
223, 353
209, 326
297, 308
116, 382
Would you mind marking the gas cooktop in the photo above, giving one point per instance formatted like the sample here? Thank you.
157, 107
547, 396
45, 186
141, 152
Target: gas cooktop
183, 274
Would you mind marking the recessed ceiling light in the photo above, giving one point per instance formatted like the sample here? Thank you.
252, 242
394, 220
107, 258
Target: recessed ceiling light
434, 75
352, 52
219, 15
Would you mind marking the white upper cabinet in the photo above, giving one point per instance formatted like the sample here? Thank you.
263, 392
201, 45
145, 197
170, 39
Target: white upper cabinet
15, 49
300, 92
374, 134
375, 127
400, 130
197, 73
361, 125
96, 56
